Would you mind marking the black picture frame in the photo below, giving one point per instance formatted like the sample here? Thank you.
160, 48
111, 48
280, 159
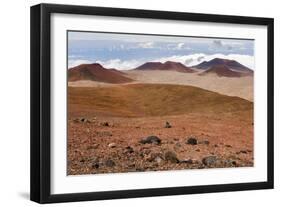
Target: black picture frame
41, 98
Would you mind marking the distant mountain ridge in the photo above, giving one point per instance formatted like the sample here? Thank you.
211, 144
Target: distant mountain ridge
222, 71
168, 65
231, 64
96, 72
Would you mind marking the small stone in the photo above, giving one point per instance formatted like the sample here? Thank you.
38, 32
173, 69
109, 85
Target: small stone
230, 163
168, 125
209, 161
171, 156
129, 149
229, 146
109, 163
187, 161
216, 145
112, 145
105, 124
197, 150
158, 159
151, 140
244, 152
96, 164
178, 144
192, 141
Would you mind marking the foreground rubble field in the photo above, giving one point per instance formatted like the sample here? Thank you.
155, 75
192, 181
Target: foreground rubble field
191, 141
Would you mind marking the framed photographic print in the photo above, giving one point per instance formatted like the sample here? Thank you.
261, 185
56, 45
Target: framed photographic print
133, 103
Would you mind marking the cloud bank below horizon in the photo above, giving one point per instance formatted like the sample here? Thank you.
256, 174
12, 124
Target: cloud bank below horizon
188, 60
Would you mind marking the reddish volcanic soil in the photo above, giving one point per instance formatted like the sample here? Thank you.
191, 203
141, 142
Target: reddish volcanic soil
96, 72
94, 147
217, 137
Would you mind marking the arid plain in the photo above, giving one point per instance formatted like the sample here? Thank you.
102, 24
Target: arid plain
159, 116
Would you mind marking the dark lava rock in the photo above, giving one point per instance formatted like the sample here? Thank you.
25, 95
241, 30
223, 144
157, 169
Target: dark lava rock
192, 141
109, 163
129, 149
209, 161
105, 124
244, 152
168, 125
230, 163
171, 156
151, 140
83, 120
95, 165
188, 161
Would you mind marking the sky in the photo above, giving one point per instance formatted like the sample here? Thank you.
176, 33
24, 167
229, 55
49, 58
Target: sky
128, 51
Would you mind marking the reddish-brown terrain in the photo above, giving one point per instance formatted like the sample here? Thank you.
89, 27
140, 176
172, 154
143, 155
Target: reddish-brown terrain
231, 64
222, 71
96, 72
168, 65
144, 127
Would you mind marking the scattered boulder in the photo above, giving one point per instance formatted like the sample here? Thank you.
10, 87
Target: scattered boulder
106, 124
151, 140
209, 161
216, 145
244, 152
168, 125
112, 145
192, 141
129, 149
171, 156
187, 161
197, 150
110, 163
158, 159
82, 120
228, 145
178, 144
152, 157
95, 163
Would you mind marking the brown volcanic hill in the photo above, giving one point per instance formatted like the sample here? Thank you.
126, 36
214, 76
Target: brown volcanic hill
96, 72
232, 64
168, 65
222, 71
141, 100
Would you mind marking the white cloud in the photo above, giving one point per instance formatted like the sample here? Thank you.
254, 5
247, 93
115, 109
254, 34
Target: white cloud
180, 45
73, 63
146, 44
119, 64
195, 59
188, 60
